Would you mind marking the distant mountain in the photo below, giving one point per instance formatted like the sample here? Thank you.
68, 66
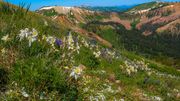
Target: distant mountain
110, 8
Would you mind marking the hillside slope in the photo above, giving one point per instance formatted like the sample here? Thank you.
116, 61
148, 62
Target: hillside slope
41, 59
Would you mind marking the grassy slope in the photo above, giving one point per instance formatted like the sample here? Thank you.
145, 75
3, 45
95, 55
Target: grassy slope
38, 71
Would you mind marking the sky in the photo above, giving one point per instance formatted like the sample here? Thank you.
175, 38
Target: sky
35, 4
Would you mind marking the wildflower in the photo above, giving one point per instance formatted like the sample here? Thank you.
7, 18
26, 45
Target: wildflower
24, 33
70, 42
31, 40
121, 100
157, 98
77, 47
24, 93
58, 42
3, 51
5, 38
97, 54
51, 40
76, 72
30, 35
34, 33
42, 96
9, 92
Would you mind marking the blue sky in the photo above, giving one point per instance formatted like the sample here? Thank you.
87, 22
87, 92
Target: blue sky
35, 4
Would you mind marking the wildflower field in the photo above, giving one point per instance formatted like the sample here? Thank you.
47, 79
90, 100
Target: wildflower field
43, 60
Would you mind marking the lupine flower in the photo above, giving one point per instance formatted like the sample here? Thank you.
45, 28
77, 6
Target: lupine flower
76, 72
5, 38
58, 42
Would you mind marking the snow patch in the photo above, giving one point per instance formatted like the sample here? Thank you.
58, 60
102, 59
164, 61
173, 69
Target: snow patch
47, 8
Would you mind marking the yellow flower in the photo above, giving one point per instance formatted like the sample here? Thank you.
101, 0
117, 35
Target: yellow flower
5, 38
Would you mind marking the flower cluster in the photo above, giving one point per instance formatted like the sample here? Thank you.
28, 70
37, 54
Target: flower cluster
97, 54
76, 72
30, 35
70, 41
52, 41
133, 66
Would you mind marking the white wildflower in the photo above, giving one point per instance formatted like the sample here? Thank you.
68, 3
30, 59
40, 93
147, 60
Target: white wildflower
121, 100
97, 54
30, 35
51, 40
24, 93
24, 33
70, 42
31, 40
5, 38
76, 72
77, 47
157, 98
3, 51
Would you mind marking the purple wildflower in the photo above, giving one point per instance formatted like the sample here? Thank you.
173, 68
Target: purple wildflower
58, 42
